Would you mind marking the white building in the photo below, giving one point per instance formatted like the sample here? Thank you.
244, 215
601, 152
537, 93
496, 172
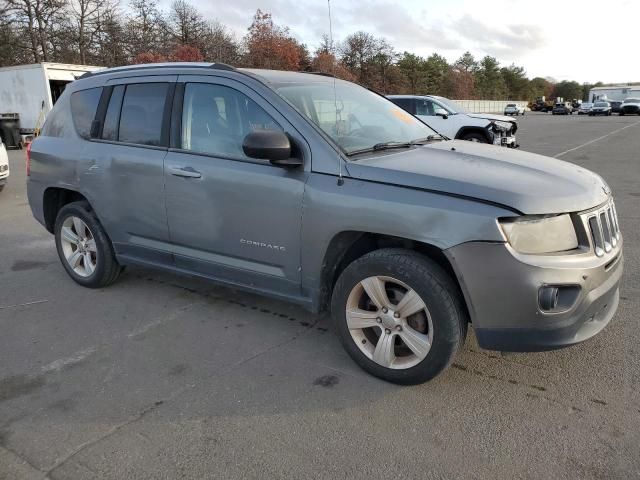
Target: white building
616, 93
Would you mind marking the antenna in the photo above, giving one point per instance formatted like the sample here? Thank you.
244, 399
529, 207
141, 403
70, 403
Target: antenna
335, 95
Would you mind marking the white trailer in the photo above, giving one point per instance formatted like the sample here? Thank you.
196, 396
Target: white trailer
31, 90
614, 94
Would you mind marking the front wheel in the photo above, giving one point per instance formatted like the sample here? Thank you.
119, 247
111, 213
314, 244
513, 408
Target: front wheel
398, 315
475, 137
84, 248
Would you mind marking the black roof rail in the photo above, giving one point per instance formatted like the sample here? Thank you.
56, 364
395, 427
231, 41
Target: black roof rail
222, 66
129, 68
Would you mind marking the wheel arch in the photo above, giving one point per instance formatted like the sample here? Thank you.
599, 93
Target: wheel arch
54, 198
473, 129
347, 246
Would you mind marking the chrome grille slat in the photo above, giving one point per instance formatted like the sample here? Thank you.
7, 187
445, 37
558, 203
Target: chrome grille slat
603, 228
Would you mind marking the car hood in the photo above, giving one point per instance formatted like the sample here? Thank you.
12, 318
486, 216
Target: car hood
525, 182
490, 116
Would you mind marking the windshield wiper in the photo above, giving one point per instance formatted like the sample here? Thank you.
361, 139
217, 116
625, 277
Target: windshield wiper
389, 145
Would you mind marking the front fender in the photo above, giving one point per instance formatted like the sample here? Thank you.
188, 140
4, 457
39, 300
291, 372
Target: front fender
440, 220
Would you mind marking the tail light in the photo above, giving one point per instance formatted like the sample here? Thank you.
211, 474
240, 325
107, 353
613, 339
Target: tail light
28, 164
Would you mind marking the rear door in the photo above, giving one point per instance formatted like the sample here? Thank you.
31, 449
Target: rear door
126, 171
232, 217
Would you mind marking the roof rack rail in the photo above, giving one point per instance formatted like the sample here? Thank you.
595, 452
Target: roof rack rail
222, 66
128, 68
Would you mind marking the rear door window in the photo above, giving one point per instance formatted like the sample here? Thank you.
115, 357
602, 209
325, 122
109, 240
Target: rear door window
142, 113
84, 104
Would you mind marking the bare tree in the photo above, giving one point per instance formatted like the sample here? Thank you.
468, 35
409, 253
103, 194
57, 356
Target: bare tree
85, 15
186, 23
146, 29
219, 44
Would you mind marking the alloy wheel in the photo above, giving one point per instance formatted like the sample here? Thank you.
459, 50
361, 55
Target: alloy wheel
79, 246
389, 322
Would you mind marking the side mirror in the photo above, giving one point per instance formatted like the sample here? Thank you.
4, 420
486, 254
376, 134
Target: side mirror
442, 114
272, 145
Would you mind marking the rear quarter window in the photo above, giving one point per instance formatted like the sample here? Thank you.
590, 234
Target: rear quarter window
54, 125
84, 104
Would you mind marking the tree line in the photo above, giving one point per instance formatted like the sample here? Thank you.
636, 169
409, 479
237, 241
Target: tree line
100, 32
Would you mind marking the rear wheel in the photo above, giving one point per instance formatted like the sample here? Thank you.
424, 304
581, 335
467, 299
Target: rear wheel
84, 249
398, 315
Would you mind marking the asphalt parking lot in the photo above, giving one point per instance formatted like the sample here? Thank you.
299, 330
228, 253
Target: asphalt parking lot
161, 376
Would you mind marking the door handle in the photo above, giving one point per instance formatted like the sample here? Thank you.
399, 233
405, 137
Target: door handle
184, 172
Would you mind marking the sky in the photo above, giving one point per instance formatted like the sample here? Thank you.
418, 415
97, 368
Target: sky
586, 41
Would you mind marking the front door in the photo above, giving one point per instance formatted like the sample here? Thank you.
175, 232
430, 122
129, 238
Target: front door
231, 217
434, 115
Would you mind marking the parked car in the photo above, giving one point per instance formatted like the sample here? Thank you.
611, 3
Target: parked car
4, 166
513, 109
615, 106
585, 108
601, 108
320, 192
451, 120
630, 106
562, 109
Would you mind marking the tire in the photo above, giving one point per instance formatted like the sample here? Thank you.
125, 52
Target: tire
94, 259
474, 137
621, 113
443, 320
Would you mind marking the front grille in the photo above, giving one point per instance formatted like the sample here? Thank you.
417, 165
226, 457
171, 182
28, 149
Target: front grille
604, 228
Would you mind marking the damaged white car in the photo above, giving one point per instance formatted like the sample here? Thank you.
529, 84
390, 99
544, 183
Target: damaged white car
449, 119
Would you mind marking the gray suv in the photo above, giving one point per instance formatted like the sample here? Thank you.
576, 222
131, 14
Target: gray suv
320, 192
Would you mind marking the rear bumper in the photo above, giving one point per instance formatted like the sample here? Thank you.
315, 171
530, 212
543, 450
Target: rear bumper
35, 195
501, 290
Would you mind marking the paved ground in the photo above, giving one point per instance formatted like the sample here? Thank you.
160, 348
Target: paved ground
165, 377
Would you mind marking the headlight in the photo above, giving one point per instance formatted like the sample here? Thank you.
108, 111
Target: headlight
501, 126
540, 234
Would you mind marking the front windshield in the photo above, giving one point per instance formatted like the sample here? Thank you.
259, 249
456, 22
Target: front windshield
511, 105
632, 100
362, 119
587, 104
451, 107
601, 104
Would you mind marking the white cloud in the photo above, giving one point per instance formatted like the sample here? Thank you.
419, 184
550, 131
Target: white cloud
547, 37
